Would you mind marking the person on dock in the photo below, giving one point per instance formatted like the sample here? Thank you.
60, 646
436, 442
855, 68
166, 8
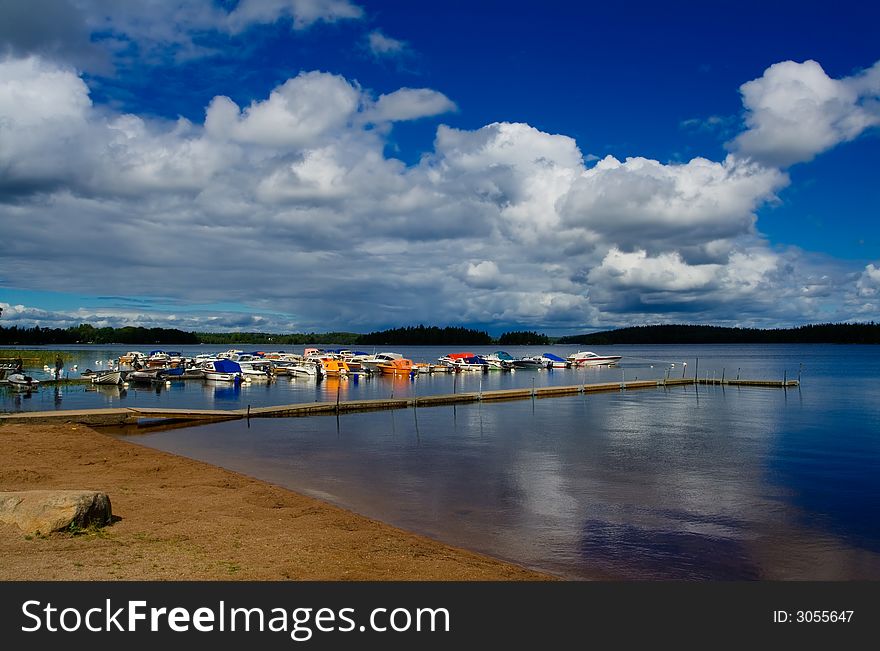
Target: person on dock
59, 364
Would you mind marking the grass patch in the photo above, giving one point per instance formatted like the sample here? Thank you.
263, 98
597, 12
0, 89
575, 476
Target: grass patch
31, 357
230, 567
93, 531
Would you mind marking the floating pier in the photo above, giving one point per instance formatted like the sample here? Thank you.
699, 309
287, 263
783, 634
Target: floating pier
184, 417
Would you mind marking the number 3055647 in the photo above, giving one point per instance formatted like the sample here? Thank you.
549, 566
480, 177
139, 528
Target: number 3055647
823, 616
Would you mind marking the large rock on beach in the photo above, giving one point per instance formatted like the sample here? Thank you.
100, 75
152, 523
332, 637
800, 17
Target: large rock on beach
45, 511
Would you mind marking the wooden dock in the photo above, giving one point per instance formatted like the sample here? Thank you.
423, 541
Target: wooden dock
144, 415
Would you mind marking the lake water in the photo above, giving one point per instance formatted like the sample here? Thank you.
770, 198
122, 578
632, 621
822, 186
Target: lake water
679, 483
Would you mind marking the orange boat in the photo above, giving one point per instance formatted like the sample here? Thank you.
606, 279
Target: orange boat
400, 366
334, 367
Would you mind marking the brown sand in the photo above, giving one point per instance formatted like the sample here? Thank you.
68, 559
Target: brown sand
187, 520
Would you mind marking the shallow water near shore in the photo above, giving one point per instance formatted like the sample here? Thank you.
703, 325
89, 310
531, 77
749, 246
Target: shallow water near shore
688, 482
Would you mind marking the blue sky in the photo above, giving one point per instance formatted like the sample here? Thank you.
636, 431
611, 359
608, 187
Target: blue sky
290, 165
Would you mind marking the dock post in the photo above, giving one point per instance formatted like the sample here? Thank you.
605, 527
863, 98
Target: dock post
784, 378
800, 367
697, 371
623, 378
722, 376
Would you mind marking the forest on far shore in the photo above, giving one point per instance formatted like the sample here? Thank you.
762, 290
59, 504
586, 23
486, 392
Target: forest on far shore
826, 333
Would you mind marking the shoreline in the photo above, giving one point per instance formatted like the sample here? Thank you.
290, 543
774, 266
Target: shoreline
182, 519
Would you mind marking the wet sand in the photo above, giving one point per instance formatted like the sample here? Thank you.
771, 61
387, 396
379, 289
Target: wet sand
180, 519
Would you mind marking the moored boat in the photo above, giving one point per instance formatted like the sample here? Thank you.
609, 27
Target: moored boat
333, 367
144, 375
464, 362
107, 377
134, 355
22, 382
499, 360
401, 366
554, 361
589, 358
371, 363
534, 362
222, 370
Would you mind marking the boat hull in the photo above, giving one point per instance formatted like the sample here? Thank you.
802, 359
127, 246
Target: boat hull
114, 377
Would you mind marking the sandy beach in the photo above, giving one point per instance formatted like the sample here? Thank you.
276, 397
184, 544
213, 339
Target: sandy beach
180, 519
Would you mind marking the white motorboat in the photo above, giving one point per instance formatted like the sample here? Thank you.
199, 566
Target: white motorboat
107, 377
499, 360
22, 382
589, 358
371, 364
465, 362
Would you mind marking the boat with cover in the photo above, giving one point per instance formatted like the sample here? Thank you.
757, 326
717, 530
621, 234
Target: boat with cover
554, 361
465, 362
589, 358
223, 370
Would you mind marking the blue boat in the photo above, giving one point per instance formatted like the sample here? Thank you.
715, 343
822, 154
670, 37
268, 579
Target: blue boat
555, 361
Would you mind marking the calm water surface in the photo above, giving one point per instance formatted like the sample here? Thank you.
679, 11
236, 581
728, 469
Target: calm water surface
684, 483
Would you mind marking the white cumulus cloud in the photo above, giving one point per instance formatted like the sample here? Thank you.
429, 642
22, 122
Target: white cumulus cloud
795, 111
382, 45
409, 104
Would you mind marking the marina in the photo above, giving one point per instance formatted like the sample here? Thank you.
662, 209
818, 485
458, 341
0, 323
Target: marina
191, 380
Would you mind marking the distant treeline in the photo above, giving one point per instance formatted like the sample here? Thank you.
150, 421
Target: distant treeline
86, 334
826, 333
410, 336
262, 338
523, 338
426, 336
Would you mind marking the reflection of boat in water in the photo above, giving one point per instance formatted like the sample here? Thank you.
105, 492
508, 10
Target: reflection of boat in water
111, 391
224, 390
